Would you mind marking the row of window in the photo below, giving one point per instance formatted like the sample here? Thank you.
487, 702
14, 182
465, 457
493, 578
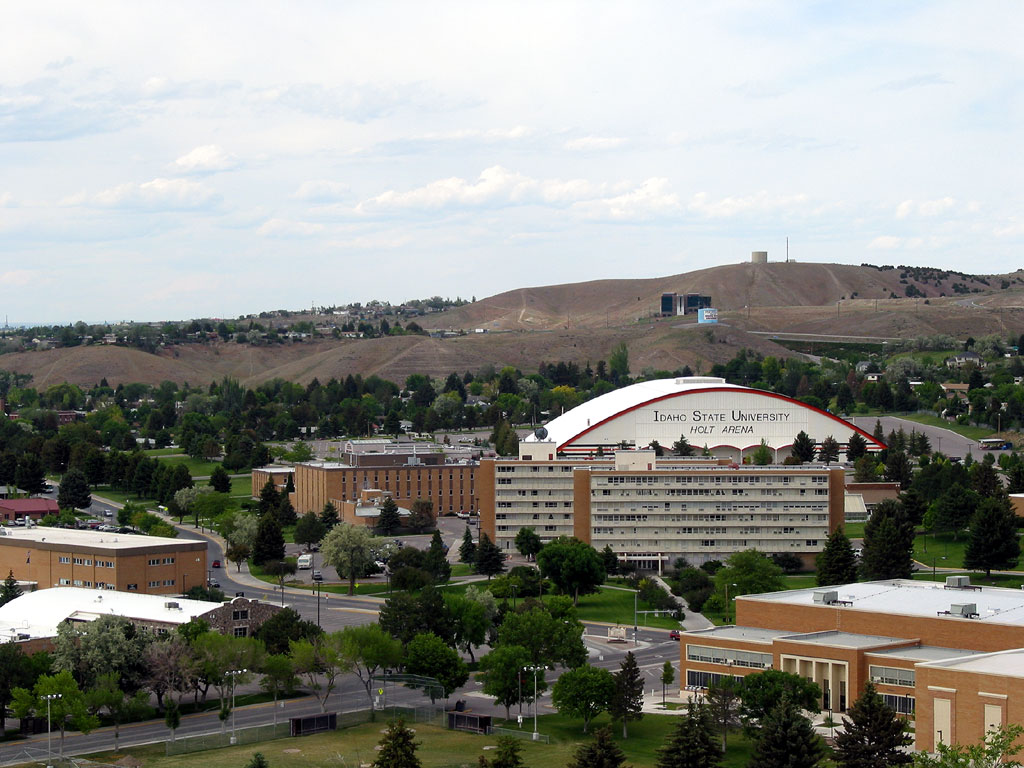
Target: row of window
84, 583
160, 561
902, 705
892, 675
728, 656
164, 583
696, 679
732, 479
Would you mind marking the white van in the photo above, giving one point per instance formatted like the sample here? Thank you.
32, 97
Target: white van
305, 562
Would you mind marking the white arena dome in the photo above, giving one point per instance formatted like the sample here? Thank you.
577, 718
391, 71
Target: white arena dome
726, 419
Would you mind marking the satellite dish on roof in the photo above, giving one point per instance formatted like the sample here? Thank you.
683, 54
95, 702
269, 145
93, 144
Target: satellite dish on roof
540, 433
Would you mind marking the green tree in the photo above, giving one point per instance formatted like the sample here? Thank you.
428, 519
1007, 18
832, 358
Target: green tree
16, 671
584, 693
389, 520
470, 621
506, 755
403, 615
528, 542
120, 706
873, 735
803, 449
74, 491
993, 541
999, 745
220, 480
286, 515
280, 569
29, 475
397, 748
309, 530
467, 549
550, 632
10, 589
761, 693
320, 662
888, 544
692, 743
277, 676
627, 703
329, 516
502, 676
172, 717
421, 516
856, 447
369, 649
787, 740
602, 752
270, 499
836, 563
269, 542
829, 450
668, 676
762, 455
436, 561
865, 469
723, 700
682, 447
746, 573
286, 626
428, 655
350, 549
618, 364
68, 709
489, 560
108, 644
573, 566
258, 760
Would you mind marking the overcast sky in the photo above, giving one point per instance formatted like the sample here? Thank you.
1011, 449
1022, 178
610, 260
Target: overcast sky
178, 160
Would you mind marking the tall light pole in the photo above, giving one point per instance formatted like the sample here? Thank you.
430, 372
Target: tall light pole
727, 601
234, 673
535, 669
635, 593
316, 591
49, 752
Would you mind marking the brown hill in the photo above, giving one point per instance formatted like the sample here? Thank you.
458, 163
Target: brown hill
584, 322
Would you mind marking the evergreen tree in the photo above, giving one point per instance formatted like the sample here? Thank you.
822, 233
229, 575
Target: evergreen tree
610, 560
29, 475
220, 480
436, 561
984, 480
528, 542
506, 755
914, 505
864, 469
878, 433
309, 530
898, 469
390, 519
397, 748
329, 516
955, 508
489, 559
602, 752
836, 563
692, 744
74, 491
873, 735
467, 549
888, 543
803, 449
628, 701
682, 447
829, 450
289, 485
268, 545
270, 499
286, 512
10, 589
787, 740
993, 541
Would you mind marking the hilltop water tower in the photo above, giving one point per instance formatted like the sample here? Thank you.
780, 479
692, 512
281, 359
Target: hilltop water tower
759, 257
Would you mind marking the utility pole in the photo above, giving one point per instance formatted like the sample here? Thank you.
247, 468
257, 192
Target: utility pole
49, 752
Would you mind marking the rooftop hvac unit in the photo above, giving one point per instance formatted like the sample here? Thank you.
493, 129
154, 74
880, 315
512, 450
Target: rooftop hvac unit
958, 582
826, 596
965, 610
171, 605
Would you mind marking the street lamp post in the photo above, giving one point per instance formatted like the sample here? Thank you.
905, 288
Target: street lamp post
234, 673
727, 601
535, 669
49, 752
316, 591
635, 594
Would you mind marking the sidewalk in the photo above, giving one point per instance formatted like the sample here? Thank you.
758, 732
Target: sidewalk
691, 619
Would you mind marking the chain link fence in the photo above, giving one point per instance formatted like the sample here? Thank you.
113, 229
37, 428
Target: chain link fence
250, 735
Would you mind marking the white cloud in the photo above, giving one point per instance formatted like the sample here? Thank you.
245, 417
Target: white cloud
158, 194
285, 228
18, 278
762, 202
205, 159
924, 208
893, 243
594, 143
651, 199
321, 191
496, 186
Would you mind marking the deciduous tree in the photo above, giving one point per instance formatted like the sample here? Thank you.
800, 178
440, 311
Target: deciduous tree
319, 662
501, 675
584, 693
573, 566
429, 655
350, 549
528, 542
369, 649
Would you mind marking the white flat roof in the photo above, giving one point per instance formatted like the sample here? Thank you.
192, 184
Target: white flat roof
734, 632
92, 539
995, 605
1002, 663
38, 614
922, 653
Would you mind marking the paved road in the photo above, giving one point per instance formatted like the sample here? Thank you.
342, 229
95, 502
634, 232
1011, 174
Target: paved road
943, 440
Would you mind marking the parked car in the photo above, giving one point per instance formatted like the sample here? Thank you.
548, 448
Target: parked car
318, 576
215, 564
462, 514
213, 583
675, 634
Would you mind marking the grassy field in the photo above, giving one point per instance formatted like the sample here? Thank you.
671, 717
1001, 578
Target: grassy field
973, 433
946, 551
1010, 581
162, 452
439, 747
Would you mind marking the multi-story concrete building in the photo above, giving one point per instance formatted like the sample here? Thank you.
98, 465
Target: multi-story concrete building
63, 557
651, 511
948, 655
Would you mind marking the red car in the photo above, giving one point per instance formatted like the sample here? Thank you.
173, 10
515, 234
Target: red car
216, 564
674, 634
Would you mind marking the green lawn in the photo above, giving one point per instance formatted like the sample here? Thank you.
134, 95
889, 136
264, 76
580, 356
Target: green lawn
946, 551
439, 747
161, 452
241, 487
196, 467
854, 530
1010, 581
974, 433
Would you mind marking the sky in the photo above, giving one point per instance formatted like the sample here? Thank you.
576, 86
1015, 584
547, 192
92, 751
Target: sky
166, 161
